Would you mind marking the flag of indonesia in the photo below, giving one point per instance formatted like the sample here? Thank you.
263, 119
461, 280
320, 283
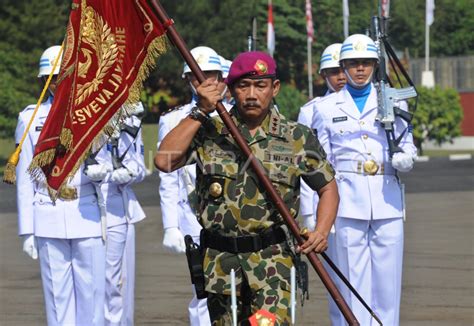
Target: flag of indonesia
270, 30
309, 21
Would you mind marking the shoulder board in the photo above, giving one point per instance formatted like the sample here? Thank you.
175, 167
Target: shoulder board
171, 110
29, 108
312, 102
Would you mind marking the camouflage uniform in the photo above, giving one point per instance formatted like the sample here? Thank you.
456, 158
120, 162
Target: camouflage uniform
287, 151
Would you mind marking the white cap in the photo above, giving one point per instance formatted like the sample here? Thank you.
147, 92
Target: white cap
358, 46
225, 66
330, 57
207, 59
47, 59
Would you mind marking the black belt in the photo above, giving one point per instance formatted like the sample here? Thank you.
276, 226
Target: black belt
242, 244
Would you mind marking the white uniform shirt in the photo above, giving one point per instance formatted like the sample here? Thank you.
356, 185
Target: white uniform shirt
37, 214
350, 138
175, 186
122, 205
308, 197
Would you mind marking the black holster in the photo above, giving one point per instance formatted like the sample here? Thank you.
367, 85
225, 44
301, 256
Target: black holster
195, 265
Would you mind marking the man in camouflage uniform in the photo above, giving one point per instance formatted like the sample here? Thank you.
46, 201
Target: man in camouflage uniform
241, 225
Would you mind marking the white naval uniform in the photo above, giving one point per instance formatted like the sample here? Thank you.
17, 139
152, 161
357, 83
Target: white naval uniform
175, 208
122, 211
369, 225
309, 200
68, 233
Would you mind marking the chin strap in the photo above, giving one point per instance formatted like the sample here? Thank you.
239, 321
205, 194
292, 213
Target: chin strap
358, 85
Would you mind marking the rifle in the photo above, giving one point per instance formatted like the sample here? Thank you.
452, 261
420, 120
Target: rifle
387, 94
256, 166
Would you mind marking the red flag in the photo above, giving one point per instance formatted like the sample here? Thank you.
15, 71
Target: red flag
270, 30
110, 47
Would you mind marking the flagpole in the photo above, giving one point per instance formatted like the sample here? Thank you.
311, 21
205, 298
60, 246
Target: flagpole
310, 69
345, 17
427, 46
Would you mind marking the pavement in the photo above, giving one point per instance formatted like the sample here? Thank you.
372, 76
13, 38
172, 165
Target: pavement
438, 276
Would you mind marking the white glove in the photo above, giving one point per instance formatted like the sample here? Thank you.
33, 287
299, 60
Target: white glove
403, 162
173, 241
122, 175
30, 246
96, 172
309, 221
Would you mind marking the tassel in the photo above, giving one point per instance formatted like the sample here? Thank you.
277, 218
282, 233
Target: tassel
9, 176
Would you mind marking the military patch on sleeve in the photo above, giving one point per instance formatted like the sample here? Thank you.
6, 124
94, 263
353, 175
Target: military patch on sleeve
109, 147
142, 149
339, 119
410, 128
38, 128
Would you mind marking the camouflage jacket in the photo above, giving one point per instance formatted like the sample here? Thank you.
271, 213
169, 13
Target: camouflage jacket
239, 205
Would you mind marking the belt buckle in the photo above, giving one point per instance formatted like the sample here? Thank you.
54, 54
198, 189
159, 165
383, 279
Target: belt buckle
68, 193
371, 167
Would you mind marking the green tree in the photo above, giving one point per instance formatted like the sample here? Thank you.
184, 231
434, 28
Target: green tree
27, 28
438, 116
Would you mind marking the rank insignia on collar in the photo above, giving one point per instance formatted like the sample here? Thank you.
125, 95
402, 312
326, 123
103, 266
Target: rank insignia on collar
339, 119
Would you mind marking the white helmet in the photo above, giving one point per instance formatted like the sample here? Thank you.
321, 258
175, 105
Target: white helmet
225, 66
330, 57
46, 62
207, 59
358, 46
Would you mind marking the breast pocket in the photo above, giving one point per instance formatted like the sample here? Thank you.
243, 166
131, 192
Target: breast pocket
284, 179
344, 129
219, 175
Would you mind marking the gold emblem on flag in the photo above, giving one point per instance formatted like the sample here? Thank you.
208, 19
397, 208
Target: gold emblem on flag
99, 42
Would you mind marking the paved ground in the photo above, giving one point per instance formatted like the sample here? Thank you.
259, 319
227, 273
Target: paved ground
438, 283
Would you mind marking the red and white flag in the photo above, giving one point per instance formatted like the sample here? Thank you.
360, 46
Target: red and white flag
309, 21
270, 30
386, 8
430, 7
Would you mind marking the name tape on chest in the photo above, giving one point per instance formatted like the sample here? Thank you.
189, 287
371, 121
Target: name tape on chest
339, 119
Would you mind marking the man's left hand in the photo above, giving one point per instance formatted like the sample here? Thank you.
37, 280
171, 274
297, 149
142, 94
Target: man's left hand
403, 162
121, 176
315, 241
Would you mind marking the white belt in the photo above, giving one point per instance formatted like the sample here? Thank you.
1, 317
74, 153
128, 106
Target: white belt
369, 167
72, 193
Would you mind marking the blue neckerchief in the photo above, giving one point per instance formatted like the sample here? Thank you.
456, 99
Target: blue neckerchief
359, 96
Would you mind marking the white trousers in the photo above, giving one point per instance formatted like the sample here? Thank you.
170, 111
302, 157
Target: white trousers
334, 313
116, 239
128, 278
120, 275
73, 276
370, 254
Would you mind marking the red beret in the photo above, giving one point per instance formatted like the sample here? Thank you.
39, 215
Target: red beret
253, 64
